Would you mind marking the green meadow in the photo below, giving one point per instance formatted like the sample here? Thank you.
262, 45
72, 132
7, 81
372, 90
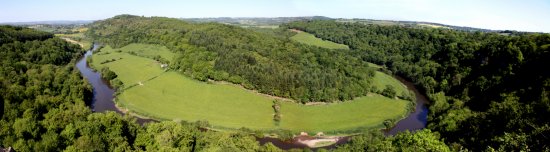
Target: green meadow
310, 39
79, 38
167, 95
381, 80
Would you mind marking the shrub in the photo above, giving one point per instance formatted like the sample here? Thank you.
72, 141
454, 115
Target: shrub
389, 91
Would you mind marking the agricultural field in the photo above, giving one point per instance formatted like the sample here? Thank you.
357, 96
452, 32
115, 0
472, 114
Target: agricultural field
382, 79
310, 39
131, 69
153, 92
145, 51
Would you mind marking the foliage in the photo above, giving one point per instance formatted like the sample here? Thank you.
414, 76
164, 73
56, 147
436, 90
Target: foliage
40, 93
423, 140
107, 74
389, 91
277, 110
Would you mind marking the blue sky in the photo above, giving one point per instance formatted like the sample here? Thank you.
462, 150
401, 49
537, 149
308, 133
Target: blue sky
523, 15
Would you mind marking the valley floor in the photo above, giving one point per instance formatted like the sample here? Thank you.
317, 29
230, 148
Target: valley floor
151, 91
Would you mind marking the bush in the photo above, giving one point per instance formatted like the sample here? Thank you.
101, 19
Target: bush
407, 95
389, 91
107, 74
276, 108
117, 84
389, 123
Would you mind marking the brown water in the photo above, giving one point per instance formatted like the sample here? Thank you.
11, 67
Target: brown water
104, 94
102, 100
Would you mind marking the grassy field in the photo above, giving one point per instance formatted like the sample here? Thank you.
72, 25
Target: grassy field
382, 79
433, 26
310, 39
132, 69
172, 96
79, 38
147, 50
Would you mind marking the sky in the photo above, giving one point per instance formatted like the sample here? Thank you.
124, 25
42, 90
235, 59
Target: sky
521, 15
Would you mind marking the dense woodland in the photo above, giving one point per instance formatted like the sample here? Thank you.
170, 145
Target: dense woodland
488, 91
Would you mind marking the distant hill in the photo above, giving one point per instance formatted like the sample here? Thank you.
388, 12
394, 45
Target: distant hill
415, 24
60, 22
273, 22
255, 21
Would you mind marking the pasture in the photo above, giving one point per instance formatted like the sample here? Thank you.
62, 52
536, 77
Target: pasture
169, 95
310, 39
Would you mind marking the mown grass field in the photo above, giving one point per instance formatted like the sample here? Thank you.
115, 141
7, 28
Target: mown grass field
131, 69
172, 96
310, 39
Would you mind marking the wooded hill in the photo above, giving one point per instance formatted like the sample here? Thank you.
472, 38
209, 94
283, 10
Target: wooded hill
487, 90
260, 61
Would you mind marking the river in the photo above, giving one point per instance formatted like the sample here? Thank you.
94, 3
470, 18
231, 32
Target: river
417, 119
102, 101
